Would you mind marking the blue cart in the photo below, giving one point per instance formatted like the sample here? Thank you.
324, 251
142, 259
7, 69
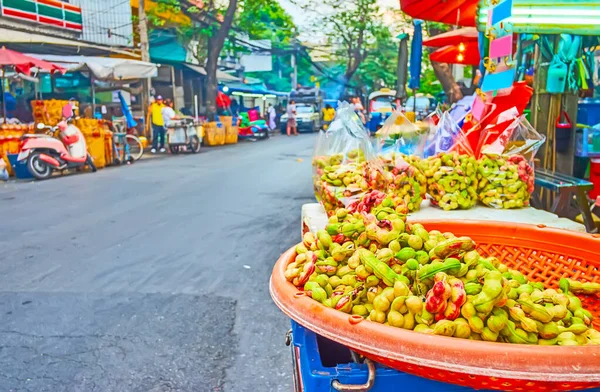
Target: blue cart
321, 365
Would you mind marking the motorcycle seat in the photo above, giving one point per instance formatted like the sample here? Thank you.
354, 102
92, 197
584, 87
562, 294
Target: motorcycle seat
73, 159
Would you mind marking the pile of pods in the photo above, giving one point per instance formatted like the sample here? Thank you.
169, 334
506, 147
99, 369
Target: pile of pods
405, 180
505, 181
370, 262
451, 180
341, 179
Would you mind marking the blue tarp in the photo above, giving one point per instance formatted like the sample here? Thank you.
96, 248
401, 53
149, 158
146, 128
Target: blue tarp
416, 54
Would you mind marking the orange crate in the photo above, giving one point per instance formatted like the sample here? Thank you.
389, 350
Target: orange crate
231, 134
214, 134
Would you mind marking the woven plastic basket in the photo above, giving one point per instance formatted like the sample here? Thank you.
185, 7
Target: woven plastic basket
543, 254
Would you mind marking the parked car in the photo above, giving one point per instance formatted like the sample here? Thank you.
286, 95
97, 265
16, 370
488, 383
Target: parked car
307, 119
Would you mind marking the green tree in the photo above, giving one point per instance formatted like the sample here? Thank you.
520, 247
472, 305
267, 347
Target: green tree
211, 26
379, 68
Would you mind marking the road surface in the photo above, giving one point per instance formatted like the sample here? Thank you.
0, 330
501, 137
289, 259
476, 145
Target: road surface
152, 277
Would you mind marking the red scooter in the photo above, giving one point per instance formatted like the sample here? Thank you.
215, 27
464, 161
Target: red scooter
48, 152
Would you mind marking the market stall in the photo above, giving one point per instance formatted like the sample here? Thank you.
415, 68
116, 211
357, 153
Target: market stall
424, 264
13, 128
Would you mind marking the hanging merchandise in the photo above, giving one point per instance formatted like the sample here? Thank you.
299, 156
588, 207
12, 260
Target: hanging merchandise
561, 71
557, 76
563, 132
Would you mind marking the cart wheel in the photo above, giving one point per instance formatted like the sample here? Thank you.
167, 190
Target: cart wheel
194, 144
174, 149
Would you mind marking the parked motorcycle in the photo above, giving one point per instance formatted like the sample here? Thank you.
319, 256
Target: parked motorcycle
60, 148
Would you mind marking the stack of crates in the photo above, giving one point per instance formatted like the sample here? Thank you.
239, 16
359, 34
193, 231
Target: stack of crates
95, 138
214, 133
10, 141
49, 111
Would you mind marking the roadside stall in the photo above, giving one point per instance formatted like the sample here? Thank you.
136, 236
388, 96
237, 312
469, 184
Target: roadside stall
13, 128
115, 76
469, 289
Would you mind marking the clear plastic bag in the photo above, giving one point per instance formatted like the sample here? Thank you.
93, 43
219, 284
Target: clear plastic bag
505, 168
399, 145
450, 167
345, 166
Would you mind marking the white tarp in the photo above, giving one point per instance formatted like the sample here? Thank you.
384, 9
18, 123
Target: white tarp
104, 68
221, 76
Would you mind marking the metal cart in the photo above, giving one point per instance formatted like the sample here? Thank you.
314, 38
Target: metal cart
182, 133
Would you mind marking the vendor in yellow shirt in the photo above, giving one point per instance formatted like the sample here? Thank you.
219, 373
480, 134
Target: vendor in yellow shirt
155, 118
328, 116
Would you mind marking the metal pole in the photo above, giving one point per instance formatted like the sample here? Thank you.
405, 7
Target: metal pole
93, 86
173, 86
145, 49
3, 96
295, 71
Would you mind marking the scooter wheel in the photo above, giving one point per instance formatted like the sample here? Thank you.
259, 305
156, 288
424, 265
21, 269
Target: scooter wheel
38, 168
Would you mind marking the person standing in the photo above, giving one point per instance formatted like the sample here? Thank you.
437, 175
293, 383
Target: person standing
272, 116
168, 113
155, 118
291, 121
328, 116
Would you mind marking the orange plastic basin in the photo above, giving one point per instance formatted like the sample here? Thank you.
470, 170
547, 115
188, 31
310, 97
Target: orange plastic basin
543, 254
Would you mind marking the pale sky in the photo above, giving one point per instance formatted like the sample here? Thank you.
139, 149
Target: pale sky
304, 19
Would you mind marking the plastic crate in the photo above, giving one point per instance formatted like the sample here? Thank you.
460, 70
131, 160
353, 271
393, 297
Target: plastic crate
231, 134
214, 134
588, 111
319, 361
19, 167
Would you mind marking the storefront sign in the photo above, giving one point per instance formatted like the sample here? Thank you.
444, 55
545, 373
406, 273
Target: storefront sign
46, 12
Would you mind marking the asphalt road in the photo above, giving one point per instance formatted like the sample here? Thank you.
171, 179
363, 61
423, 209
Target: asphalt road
152, 277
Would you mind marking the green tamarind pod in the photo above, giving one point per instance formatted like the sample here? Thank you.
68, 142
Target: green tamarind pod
406, 253
462, 330
497, 321
444, 328
360, 310
422, 257
412, 264
549, 330
537, 312
324, 239
489, 335
473, 288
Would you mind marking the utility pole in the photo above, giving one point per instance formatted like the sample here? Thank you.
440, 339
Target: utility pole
145, 49
294, 63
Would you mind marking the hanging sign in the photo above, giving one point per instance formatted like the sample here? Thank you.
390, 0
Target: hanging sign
498, 62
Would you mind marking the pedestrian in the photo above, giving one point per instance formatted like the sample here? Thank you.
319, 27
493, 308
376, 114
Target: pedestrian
155, 118
291, 121
272, 115
168, 113
359, 109
328, 116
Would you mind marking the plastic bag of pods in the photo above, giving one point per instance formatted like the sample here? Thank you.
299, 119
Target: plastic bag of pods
345, 165
400, 145
450, 167
505, 170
